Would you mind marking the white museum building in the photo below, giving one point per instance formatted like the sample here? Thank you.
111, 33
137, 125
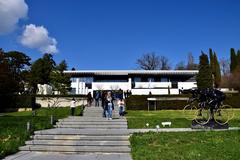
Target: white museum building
139, 82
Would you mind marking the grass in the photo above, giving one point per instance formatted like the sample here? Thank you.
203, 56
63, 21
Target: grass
209, 145
138, 119
13, 131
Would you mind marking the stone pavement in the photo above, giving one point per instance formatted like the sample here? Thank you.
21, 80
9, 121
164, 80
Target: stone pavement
90, 137
27, 155
131, 131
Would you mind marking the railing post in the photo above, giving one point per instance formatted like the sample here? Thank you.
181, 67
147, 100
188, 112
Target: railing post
28, 126
51, 120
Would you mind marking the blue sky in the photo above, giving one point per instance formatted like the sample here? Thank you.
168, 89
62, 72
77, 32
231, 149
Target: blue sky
112, 34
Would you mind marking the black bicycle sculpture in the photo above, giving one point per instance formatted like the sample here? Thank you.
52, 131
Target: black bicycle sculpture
206, 105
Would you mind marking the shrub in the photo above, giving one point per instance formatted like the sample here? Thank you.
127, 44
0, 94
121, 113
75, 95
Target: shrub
139, 102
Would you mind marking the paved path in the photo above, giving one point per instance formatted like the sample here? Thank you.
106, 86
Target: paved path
90, 137
178, 130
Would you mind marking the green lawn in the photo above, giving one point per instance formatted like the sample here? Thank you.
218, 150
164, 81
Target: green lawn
13, 126
209, 145
138, 119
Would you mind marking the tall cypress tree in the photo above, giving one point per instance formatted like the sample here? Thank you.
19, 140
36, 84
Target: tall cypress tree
233, 57
238, 58
204, 77
217, 72
212, 65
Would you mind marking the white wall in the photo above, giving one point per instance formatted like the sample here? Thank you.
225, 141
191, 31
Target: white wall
44, 89
59, 102
153, 84
80, 87
110, 85
187, 85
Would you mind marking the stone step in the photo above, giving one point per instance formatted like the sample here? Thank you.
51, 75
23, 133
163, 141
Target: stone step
92, 123
93, 126
90, 119
77, 143
81, 137
73, 131
77, 149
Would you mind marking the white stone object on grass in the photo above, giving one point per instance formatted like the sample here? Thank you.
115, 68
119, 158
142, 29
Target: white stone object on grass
164, 124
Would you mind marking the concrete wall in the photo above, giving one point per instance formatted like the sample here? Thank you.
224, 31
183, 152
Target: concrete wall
154, 91
153, 84
60, 101
187, 85
80, 87
110, 85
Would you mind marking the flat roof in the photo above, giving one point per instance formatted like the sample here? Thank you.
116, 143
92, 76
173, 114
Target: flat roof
131, 72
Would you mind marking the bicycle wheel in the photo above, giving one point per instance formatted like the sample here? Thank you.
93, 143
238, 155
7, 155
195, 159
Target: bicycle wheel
223, 114
202, 116
189, 111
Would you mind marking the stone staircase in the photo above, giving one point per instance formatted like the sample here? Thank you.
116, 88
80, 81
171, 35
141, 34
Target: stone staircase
88, 134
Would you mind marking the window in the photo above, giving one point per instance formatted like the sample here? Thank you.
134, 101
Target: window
74, 79
151, 79
86, 79
164, 79
137, 79
73, 91
111, 80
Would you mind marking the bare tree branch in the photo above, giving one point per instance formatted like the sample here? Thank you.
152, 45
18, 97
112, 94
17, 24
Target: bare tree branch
150, 61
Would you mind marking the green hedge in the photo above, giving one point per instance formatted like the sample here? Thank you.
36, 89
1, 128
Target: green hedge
233, 100
13, 102
70, 95
139, 102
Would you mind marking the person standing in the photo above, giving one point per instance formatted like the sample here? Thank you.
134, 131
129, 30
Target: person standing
73, 106
121, 105
97, 96
89, 99
109, 106
103, 99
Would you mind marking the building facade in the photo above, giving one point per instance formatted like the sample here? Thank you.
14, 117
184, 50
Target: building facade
139, 82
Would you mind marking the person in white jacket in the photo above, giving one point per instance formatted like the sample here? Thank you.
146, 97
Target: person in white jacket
121, 106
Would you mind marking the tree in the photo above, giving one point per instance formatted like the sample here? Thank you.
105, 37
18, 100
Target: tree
212, 62
8, 85
204, 77
164, 63
60, 81
233, 62
217, 72
224, 65
149, 61
215, 68
180, 66
191, 65
18, 63
40, 71
238, 58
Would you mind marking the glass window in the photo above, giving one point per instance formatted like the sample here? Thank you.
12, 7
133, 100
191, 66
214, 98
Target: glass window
137, 79
111, 80
73, 91
150, 79
73, 79
86, 79
164, 79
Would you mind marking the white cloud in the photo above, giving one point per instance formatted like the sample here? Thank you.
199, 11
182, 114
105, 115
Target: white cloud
10, 13
37, 37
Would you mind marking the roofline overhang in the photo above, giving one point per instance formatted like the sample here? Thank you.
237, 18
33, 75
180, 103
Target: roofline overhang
131, 72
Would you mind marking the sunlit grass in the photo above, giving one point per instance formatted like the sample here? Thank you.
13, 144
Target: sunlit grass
179, 119
13, 126
222, 145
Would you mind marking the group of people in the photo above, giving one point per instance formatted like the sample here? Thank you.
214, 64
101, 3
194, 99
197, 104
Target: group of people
108, 106
107, 102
